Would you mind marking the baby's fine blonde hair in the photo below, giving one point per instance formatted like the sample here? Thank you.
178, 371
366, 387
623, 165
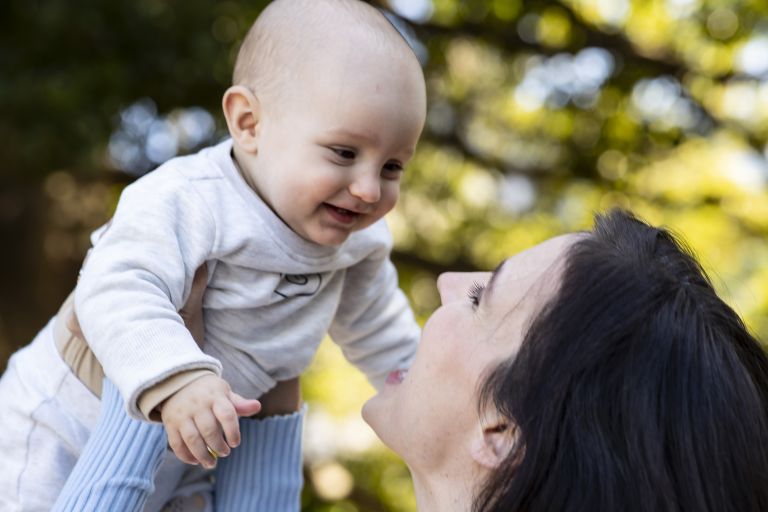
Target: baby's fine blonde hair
290, 34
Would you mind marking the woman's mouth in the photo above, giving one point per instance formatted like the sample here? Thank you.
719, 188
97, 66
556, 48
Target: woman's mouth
341, 215
396, 377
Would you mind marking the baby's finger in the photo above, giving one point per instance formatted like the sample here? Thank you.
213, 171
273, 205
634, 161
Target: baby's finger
209, 428
227, 417
179, 448
196, 444
244, 406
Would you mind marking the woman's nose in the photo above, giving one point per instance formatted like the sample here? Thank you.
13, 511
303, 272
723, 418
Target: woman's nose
454, 286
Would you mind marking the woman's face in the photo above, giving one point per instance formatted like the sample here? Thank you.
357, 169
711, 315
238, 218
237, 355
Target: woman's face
427, 415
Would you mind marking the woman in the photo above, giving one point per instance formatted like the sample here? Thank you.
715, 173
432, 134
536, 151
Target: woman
595, 371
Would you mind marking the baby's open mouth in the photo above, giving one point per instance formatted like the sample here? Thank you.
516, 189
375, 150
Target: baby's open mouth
342, 214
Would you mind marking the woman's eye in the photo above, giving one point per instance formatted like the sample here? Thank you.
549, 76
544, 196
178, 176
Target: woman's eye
344, 153
475, 292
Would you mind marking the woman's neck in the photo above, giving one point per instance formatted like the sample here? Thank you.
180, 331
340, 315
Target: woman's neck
441, 491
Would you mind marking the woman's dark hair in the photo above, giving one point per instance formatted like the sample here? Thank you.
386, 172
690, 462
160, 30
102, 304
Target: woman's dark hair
636, 388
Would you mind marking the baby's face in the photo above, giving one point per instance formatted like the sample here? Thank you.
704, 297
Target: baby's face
331, 155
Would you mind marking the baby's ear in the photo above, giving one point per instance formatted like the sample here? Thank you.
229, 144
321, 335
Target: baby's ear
241, 110
493, 443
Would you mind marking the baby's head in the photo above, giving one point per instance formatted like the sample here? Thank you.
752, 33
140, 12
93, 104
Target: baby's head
327, 105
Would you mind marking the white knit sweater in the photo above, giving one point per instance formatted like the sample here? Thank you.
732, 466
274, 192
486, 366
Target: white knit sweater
271, 295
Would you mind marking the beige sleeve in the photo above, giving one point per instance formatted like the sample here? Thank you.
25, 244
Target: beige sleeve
157, 394
75, 351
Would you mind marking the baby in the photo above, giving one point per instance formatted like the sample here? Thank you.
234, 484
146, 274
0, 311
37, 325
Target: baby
327, 106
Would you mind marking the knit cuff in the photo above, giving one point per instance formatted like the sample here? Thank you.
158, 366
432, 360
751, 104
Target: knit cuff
265, 471
116, 468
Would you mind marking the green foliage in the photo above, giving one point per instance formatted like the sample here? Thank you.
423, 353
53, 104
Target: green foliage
540, 113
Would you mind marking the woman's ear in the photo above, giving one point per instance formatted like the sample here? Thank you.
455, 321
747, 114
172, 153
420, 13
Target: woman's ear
242, 112
493, 443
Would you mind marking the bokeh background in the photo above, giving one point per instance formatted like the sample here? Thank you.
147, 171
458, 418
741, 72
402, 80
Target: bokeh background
540, 114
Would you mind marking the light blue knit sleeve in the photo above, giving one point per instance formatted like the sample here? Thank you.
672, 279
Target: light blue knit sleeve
117, 467
264, 473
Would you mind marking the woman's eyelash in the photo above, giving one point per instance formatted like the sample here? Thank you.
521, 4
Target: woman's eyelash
475, 292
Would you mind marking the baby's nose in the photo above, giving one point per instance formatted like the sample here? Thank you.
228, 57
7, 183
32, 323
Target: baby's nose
366, 187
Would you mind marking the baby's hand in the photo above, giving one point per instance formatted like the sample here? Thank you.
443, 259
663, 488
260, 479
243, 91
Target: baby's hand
201, 418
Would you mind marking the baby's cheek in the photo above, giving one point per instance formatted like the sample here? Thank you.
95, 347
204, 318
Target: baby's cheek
392, 191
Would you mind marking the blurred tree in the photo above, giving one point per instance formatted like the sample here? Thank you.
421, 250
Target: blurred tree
540, 113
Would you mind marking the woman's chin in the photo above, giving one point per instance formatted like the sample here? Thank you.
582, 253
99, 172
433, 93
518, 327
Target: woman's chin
382, 411
369, 411
378, 412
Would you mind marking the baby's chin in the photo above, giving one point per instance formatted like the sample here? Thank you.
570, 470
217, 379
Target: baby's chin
326, 237
331, 242
330, 237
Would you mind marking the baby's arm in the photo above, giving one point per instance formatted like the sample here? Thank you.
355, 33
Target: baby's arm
374, 325
117, 466
191, 422
138, 276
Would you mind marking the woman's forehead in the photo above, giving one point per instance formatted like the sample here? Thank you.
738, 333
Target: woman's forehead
538, 261
523, 283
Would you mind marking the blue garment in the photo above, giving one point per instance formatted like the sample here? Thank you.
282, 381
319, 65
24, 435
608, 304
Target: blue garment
264, 472
119, 462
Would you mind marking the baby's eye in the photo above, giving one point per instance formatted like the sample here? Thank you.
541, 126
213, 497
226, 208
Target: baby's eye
393, 166
475, 292
392, 169
344, 153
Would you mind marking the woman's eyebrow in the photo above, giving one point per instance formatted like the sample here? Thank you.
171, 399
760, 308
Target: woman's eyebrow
496, 272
